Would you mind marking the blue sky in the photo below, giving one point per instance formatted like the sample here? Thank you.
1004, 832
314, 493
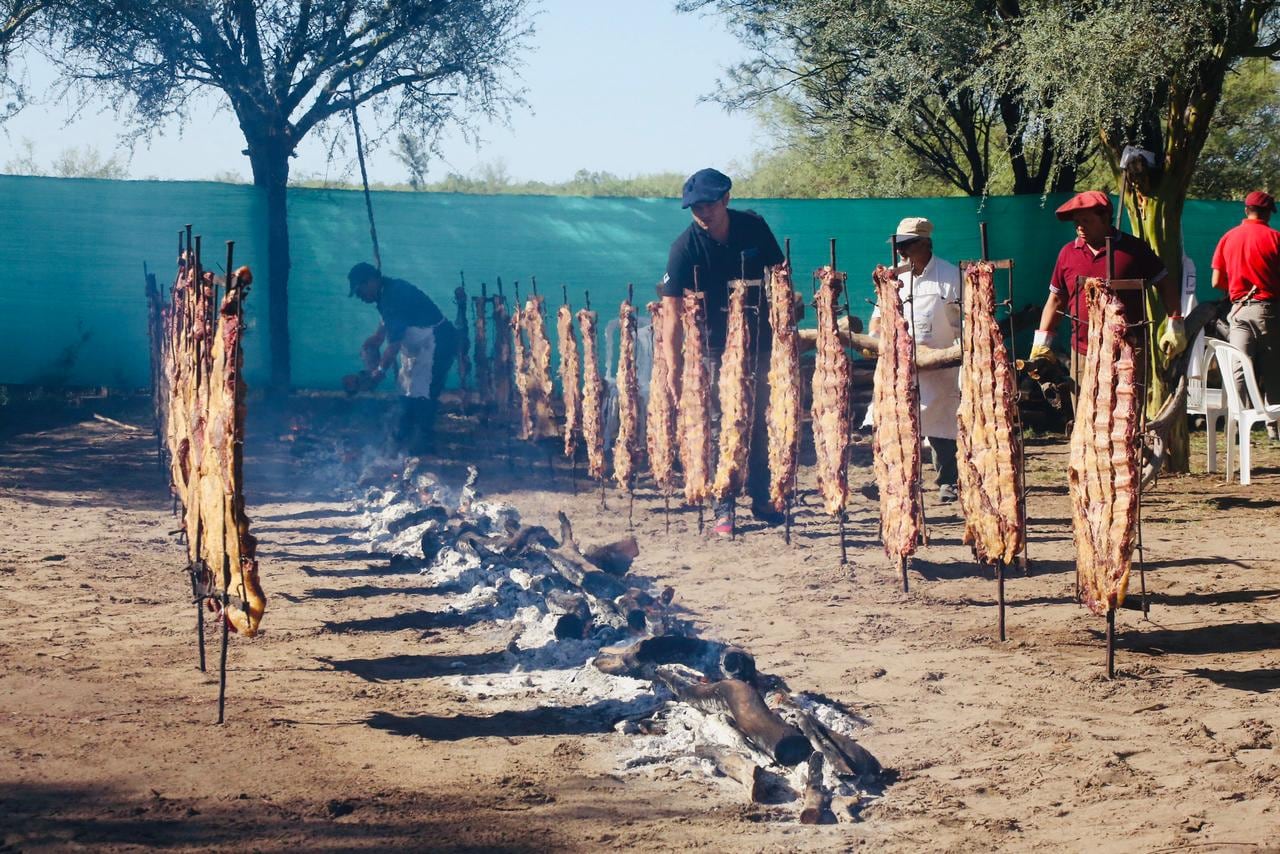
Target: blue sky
613, 85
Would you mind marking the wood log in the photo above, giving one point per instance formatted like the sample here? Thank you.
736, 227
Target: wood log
737, 663
767, 732
640, 659
575, 614
614, 558
847, 757
815, 794
738, 768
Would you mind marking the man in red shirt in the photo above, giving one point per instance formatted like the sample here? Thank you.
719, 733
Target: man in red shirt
1246, 265
1087, 256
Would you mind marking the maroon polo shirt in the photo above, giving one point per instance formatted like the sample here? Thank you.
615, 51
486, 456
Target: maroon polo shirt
1133, 260
1249, 256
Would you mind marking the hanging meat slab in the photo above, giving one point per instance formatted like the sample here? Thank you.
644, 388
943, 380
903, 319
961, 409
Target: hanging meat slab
501, 367
570, 379
990, 449
464, 345
627, 444
735, 398
830, 411
1102, 473
660, 416
592, 396
480, 306
783, 417
538, 386
520, 361
897, 424
694, 412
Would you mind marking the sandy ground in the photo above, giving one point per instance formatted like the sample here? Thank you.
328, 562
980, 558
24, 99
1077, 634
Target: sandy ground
343, 731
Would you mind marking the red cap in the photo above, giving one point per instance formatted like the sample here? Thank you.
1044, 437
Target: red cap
1260, 199
1088, 200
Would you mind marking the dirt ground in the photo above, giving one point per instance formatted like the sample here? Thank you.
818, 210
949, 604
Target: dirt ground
341, 734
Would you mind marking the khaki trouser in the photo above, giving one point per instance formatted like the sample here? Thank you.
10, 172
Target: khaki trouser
1255, 330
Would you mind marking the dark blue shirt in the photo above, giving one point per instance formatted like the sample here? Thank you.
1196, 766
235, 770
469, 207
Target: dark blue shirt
402, 305
751, 244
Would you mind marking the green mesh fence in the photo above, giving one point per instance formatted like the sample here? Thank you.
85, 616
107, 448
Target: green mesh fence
72, 309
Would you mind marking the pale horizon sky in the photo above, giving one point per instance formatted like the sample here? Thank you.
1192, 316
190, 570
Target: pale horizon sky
611, 86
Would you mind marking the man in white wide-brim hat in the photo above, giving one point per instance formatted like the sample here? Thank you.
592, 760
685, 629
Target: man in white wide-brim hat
933, 315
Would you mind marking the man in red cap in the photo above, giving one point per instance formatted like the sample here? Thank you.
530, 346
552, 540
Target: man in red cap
1246, 265
1087, 256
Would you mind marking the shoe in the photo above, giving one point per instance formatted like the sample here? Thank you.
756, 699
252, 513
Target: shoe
762, 511
723, 527
946, 494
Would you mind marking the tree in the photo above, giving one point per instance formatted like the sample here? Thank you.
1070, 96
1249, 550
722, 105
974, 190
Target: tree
908, 69
1242, 151
18, 19
415, 155
288, 69
1148, 74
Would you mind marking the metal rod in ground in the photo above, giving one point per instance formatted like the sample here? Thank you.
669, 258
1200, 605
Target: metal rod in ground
666, 510
906, 584
199, 600
602, 493
1000, 594
631, 507
701, 520
1111, 643
786, 522
222, 666
844, 554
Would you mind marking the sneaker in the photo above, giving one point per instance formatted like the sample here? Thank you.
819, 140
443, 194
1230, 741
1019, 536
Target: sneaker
723, 527
946, 494
762, 511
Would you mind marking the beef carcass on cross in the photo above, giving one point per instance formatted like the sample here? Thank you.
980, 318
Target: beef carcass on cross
895, 398
736, 390
538, 386
570, 379
694, 412
990, 449
627, 444
592, 396
783, 417
1102, 472
660, 415
830, 412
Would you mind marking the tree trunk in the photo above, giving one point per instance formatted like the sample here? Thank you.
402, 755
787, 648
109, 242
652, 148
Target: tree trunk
269, 157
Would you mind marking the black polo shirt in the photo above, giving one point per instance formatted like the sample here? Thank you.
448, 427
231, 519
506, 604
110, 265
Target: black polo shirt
718, 263
402, 305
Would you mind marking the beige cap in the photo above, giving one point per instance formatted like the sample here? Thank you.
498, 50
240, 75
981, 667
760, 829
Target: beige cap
912, 228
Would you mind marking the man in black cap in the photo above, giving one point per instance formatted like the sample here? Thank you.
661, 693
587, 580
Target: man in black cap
724, 244
414, 329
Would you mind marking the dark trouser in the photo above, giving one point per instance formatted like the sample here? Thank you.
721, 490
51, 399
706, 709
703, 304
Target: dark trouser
757, 485
416, 431
1255, 331
944, 461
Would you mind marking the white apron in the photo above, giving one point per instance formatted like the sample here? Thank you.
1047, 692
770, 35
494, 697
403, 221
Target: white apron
935, 311
417, 354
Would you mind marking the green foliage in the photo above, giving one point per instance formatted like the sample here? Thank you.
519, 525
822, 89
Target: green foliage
1242, 152
74, 162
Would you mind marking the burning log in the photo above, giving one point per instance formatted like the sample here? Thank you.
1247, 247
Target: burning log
831, 398
592, 396
815, 794
694, 411
628, 442
990, 447
897, 425
767, 732
738, 768
570, 379
1102, 472
736, 392
783, 417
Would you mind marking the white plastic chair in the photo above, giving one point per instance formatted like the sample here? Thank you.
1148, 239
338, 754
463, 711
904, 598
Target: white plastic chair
1203, 399
1242, 413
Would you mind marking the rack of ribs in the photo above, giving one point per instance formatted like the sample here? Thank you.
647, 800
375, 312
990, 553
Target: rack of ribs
1102, 473
694, 411
897, 424
989, 444
228, 549
570, 379
520, 357
480, 305
538, 387
660, 416
736, 391
783, 416
592, 395
627, 444
830, 411
464, 346
500, 367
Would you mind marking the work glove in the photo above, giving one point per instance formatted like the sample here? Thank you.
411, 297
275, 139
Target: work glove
1040, 349
1173, 340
